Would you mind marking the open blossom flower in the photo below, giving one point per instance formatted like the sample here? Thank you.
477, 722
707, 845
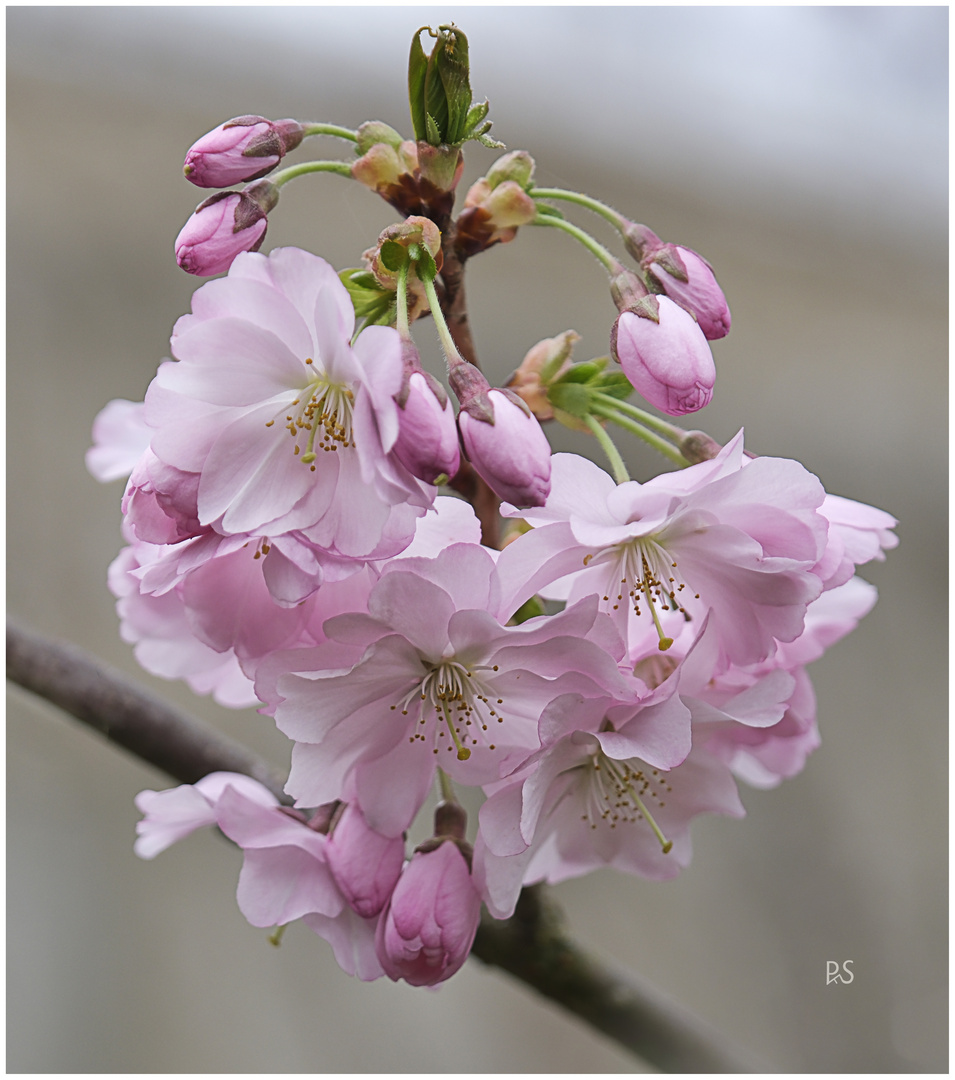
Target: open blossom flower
171, 815
429, 676
285, 870
428, 928
739, 541
857, 534
597, 796
287, 425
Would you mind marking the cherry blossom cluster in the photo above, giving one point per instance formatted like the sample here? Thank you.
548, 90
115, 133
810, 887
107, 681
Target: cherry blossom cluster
297, 539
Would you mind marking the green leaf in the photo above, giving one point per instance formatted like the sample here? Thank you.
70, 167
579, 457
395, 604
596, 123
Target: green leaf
425, 267
486, 140
586, 372
475, 115
417, 70
616, 384
450, 59
373, 304
433, 134
570, 398
393, 255
544, 210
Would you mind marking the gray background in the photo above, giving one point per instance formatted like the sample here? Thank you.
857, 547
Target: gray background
803, 151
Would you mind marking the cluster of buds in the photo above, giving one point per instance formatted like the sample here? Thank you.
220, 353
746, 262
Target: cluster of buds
497, 205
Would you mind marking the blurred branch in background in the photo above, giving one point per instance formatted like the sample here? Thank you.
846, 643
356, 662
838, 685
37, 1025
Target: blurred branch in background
533, 945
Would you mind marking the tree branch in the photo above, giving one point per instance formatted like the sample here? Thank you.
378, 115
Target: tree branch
532, 945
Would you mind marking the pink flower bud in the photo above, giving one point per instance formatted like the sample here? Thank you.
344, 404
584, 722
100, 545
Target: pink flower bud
427, 442
505, 443
666, 357
221, 228
365, 864
688, 279
241, 149
426, 932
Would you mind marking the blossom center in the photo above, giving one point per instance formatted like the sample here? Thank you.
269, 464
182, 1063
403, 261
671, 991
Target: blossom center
321, 415
453, 694
649, 574
618, 793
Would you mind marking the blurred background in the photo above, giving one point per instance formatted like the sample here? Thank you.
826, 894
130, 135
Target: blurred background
804, 152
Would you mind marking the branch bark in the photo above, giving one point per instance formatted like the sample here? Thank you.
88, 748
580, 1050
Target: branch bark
533, 945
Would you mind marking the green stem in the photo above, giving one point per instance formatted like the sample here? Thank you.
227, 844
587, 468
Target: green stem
331, 129
669, 431
293, 171
620, 473
451, 353
595, 248
401, 304
640, 431
447, 790
580, 199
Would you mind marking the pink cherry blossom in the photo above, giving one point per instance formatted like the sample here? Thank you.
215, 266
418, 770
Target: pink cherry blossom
739, 542
588, 798
220, 618
426, 932
287, 425
285, 871
430, 675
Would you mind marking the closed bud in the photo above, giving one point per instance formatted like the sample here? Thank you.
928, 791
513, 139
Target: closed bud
383, 165
374, 131
427, 930
224, 226
666, 357
688, 279
517, 166
502, 439
496, 205
544, 362
365, 864
427, 443
241, 149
